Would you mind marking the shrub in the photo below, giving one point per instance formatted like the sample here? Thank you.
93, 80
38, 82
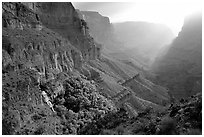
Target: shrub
7, 128
108, 132
168, 126
195, 132
36, 117
39, 130
120, 130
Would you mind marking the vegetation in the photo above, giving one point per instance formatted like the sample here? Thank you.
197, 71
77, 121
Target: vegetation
186, 120
76, 105
45, 93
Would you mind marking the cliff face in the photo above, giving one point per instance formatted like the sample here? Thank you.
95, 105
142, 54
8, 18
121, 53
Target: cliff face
59, 17
30, 44
97, 23
63, 19
46, 51
181, 67
44, 48
101, 30
140, 41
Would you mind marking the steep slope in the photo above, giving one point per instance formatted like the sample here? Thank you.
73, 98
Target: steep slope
116, 82
180, 69
63, 18
147, 90
28, 44
54, 79
142, 40
43, 91
112, 71
101, 30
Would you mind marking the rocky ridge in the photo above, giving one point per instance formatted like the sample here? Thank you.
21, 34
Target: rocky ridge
101, 30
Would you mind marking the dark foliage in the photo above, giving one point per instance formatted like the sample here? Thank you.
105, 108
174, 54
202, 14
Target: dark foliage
77, 104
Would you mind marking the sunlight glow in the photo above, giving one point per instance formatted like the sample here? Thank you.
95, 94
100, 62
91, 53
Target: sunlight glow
172, 13
168, 12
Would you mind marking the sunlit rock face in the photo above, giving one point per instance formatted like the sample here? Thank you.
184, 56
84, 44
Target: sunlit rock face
181, 67
101, 30
63, 19
29, 47
27, 43
99, 25
59, 17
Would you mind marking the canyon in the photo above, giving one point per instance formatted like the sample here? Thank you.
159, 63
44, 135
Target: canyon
63, 70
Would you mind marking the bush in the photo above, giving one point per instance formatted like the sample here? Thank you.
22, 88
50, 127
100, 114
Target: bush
120, 130
195, 132
108, 132
7, 128
167, 127
39, 131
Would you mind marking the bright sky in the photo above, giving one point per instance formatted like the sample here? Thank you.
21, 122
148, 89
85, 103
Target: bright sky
168, 12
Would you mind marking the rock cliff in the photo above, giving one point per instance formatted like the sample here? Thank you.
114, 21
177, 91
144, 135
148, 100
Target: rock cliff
54, 79
30, 44
101, 30
140, 41
63, 19
180, 68
44, 48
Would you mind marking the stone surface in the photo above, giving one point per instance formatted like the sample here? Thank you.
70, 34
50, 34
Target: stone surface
36, 57
101, 30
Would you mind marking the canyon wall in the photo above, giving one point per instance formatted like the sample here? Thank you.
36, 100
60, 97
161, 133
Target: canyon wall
53, 32
101, 30
44, 48
63, 19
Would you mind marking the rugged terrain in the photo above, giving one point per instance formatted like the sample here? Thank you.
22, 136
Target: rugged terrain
138, 41
182, 118
37, 59
102, 31
55, 80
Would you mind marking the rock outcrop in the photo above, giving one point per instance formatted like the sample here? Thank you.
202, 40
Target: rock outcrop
63, 19
180, 69
101, 30
43, 48
54, 80
65, 24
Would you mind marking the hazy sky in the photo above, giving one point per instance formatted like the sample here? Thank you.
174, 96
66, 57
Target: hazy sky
169, 12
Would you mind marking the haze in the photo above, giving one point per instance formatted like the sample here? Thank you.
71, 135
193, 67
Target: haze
168, 12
